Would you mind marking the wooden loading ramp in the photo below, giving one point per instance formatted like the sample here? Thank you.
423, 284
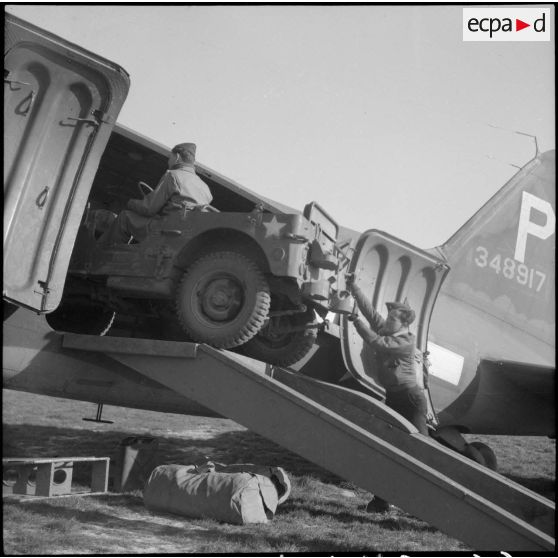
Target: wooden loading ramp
351, 435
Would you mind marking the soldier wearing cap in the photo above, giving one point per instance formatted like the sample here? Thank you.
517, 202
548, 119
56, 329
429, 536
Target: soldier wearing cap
179, 189
395, 348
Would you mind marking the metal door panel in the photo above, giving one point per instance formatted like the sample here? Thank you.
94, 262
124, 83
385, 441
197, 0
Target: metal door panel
60, 105
389, 269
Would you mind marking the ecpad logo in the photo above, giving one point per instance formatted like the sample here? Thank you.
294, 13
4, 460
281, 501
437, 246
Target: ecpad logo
506, 24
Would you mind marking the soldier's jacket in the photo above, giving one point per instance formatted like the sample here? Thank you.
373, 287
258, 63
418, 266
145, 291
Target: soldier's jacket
395, 353
178, 188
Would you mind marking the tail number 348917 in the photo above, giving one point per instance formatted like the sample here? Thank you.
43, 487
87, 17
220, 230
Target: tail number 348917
515, 268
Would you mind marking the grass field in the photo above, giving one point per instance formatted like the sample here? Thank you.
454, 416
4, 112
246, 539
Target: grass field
324, 513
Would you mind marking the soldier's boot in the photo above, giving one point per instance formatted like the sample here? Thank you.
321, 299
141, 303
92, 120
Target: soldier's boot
377, 505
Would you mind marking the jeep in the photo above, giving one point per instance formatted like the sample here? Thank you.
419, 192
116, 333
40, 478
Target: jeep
244, 272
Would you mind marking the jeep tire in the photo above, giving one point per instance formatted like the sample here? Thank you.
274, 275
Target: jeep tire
223, 300
283, 348
85, 319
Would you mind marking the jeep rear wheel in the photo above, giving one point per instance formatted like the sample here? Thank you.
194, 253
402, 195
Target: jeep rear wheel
284, 340
77, 317
223, 300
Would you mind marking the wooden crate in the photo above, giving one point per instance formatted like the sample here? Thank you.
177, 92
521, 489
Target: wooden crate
50, 476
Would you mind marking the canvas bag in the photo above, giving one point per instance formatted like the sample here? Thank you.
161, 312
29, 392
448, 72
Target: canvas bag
238, 498
278, 475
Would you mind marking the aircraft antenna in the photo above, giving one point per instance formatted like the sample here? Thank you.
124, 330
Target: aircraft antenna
537, 152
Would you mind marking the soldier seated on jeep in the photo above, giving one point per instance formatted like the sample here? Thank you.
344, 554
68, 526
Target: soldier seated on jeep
179, 189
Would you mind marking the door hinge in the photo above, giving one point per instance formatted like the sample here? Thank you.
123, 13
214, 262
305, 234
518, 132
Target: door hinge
101, 116
44, 286
26, 104
98, 117
43, 293
11, 80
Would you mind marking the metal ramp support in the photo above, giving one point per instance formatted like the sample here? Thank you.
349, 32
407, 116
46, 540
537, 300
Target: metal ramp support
238, 388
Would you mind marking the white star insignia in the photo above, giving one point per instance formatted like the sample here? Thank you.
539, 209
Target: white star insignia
273, 227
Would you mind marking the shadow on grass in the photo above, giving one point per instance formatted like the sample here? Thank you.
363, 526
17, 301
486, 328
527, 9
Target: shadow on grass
98, 518
358, 516
245, 542
208, 538
119, 526
28, 440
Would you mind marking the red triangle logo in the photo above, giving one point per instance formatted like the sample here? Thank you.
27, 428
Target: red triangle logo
519, 25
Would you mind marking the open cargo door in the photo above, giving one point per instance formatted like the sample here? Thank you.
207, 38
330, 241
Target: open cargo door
60, 105
389, 269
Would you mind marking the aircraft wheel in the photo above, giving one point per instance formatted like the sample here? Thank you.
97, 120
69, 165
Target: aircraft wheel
488, 455
274, 344
223, 300
81, 318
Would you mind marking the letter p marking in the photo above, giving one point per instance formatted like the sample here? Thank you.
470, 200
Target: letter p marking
527, 227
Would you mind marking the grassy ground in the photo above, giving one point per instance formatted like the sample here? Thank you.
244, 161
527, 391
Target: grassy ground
323, 514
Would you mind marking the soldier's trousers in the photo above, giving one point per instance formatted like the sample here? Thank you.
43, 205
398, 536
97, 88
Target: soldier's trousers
127, 224
411, 403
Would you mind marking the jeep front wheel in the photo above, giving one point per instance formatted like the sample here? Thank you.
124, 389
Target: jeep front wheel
223, 300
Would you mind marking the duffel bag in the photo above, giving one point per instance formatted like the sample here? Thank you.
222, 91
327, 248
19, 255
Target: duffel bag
238, 498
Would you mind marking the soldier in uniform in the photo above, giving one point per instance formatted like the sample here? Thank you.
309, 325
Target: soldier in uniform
179, 189
395, 348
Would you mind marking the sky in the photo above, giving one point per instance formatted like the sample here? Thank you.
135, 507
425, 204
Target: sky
382, 114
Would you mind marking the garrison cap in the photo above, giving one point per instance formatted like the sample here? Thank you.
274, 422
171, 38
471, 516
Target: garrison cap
402, 306
188, 149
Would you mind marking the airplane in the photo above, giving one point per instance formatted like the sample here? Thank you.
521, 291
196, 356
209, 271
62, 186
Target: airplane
485, 298
490, 337
491, 334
